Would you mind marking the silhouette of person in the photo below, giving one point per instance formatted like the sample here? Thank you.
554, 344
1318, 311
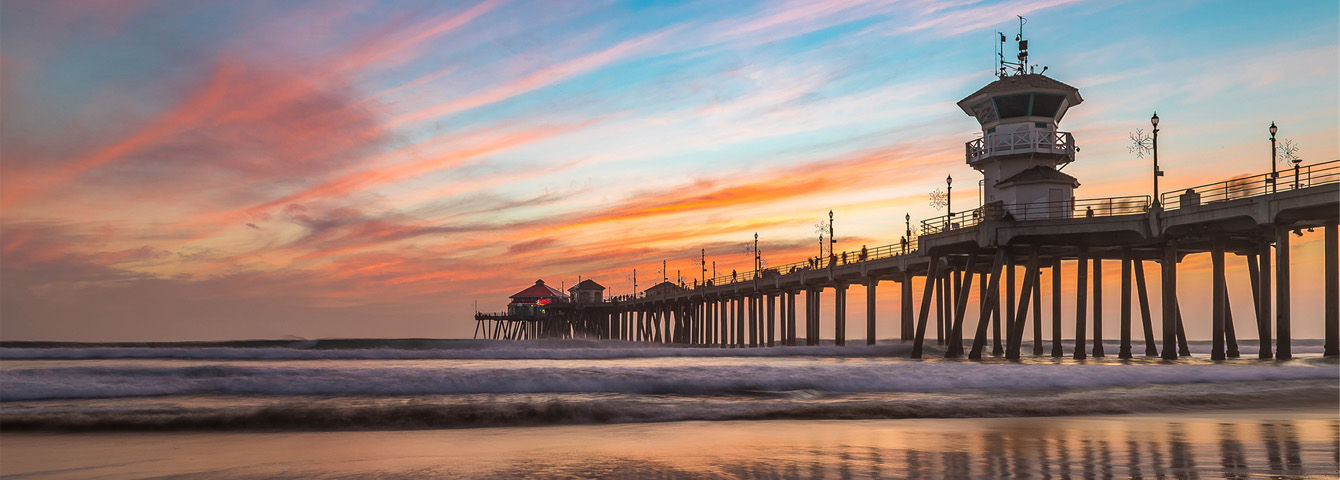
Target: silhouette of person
1088, 212
864, 253
844, 258
904, 242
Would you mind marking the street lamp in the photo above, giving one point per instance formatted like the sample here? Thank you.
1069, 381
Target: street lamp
1273, 173
1154, 120
832, 239
949, 203
907, 217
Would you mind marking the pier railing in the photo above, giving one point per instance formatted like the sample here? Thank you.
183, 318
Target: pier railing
1028, 141
1087, 207
815, 263
1253, 185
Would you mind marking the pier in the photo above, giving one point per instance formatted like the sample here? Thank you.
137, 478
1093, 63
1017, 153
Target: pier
1241, 219
1013, 253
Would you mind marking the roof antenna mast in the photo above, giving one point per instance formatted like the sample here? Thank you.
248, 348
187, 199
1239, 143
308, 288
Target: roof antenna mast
1020, 67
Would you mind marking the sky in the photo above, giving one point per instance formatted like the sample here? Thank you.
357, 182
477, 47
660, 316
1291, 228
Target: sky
313, 169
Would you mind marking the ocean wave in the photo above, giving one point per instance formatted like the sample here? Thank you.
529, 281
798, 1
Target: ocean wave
411, 349
683, 377
489, 412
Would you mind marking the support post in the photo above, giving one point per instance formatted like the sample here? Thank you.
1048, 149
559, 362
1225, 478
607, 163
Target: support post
1009, 301
840, 314
908, 330
1283, 338
1030, 277
753, 320
1081, 305
1151, 347
1057, 350
870, 310
960, 308
1098, 306
1217, 309
926, 296
791, 318
1332, 293
1124, 351
1169, 270
1267, 350
988, 307
1037, 313
772, 319
939, 308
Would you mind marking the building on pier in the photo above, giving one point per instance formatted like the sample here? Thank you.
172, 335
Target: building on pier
662, 289
534, 300
587, 291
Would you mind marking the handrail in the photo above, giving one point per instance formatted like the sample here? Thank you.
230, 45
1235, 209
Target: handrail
813, 263
1302, 176
1089, 207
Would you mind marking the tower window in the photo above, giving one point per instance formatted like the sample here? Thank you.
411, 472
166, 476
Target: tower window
1045, 105
1011, 106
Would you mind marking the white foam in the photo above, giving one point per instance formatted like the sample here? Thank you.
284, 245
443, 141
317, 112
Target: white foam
676, 376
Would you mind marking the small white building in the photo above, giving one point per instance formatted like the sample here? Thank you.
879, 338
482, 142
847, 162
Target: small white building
1021, 151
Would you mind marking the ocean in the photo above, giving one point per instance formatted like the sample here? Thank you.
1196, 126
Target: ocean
601, 409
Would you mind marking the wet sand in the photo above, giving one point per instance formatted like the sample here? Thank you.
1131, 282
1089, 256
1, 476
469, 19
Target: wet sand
1214, 444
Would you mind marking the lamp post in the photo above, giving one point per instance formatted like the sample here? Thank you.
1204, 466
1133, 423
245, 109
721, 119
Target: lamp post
1273, 173
1154, 120
832, 239
907, 218
949, 200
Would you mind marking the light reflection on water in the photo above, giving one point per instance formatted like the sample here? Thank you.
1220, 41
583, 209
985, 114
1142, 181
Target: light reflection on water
1206, 445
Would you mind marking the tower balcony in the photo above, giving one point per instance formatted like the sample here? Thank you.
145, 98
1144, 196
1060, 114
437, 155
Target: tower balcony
1027, 141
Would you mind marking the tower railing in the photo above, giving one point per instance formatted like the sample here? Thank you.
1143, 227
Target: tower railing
1027, 141
1253, 185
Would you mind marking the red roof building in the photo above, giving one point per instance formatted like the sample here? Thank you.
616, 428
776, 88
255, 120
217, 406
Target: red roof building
534, 299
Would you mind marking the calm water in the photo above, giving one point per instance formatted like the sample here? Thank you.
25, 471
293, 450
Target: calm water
466, 409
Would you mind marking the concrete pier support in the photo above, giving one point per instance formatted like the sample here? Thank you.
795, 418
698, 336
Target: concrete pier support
1009, 298
1098, 306
1332, 292
1146, 321
840, 314
1037, 314
964, 285
1169, 270
870, 311
1264, 302
772, 319
1124, 351
908, 330
987, 307
926, 295
791, 318
1217, 307
938, 280
741, 338
1283, 338
1081, 304
753, 320
1058, 351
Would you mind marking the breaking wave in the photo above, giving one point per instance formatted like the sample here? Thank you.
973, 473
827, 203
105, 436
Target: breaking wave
583, 409
684, 377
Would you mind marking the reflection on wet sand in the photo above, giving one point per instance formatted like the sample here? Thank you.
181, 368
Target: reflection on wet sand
1233, 445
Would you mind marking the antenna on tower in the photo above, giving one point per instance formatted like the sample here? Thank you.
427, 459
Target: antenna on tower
1021, 66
